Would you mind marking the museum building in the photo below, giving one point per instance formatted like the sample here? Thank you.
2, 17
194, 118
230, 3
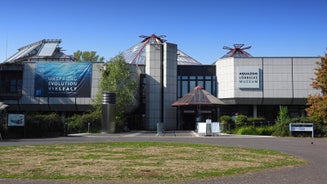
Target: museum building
40, 77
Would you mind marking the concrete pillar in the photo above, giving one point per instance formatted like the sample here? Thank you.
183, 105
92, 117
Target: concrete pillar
161, 85
153, 69
169, 84
255, 111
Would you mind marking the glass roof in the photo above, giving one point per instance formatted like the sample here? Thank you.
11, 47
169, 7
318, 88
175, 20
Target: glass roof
136, 53
44, 49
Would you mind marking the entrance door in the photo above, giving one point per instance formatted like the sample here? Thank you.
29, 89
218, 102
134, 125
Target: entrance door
188, 121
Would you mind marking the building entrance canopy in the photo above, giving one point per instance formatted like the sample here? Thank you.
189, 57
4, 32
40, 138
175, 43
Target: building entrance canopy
198, 96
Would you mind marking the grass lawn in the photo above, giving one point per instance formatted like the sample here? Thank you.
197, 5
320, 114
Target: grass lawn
136, 161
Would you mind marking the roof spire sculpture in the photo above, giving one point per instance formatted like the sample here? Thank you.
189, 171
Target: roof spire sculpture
237, 51
136, 54
153, 39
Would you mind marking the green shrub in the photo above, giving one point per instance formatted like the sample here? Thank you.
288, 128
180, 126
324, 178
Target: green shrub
265, 130
301, 119
256, 120
240, 120
252, 130
79, 123
225, 119
282, 122
320, 130
247, 130
227, 122
43, 125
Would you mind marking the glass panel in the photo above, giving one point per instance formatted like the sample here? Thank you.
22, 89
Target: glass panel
208, 77
200, 83
13, 82
192, 78
208, 86
2, 86
192, 85
184, 87
214, 90
185, 77
200, 77
179, 88
12, 89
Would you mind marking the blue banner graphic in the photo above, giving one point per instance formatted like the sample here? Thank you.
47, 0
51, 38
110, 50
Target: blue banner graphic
63, 79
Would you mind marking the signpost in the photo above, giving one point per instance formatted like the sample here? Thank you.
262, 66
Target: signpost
301, 127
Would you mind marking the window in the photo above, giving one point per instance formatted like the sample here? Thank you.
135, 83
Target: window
11, 82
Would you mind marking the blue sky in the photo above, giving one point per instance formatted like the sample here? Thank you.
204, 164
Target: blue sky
200, 28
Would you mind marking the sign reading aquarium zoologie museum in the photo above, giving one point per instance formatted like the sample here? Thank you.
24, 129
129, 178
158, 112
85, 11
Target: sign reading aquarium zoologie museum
63, 79
248, 77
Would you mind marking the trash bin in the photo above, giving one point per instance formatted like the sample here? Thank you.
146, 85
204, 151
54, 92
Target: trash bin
208, 127
108, 112
160, 129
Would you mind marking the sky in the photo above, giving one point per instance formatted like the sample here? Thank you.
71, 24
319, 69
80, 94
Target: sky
200, 28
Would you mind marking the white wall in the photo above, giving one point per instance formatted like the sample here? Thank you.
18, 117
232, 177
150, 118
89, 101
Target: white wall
153, 85
283, 80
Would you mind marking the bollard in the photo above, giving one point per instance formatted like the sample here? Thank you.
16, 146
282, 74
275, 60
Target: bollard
108, 112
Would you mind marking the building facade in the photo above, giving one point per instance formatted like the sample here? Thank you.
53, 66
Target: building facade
39, 77
256, 86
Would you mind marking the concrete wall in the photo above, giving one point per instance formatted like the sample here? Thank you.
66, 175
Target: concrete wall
283, 80
161, 85
153, 85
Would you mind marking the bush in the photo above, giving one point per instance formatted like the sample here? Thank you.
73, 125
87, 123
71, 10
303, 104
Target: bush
320, 130
225, 119
265, 130
247, 130
79, 123
282, 123
301, 119
256, 121
251, 130
241, 120
227, 122
2, 127
43, 125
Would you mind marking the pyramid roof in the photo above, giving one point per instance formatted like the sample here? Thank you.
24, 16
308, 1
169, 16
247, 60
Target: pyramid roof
198, 96
136, 53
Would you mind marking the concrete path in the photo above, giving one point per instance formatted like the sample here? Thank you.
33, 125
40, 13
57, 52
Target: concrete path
312, 150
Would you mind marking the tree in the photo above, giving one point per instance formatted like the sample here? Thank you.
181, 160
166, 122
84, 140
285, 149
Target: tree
117, 77
317, 109
88, 56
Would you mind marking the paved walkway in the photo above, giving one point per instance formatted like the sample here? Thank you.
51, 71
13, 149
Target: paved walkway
312, 150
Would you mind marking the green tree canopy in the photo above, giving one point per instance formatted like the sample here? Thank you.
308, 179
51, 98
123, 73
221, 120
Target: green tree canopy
317, 109
88, 56
117, 77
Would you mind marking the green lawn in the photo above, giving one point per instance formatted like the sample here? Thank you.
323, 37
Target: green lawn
137, 161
